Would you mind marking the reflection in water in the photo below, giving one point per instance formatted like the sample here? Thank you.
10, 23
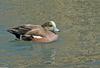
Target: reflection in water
47, 55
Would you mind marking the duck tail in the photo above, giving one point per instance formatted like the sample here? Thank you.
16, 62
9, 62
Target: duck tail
11, 30
14, 32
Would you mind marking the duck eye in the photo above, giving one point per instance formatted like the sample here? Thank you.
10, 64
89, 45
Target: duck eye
50, 25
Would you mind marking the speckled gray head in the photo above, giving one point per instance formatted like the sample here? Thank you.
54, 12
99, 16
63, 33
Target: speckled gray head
51, 25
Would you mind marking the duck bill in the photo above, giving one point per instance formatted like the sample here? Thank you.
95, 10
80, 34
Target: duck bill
56, 30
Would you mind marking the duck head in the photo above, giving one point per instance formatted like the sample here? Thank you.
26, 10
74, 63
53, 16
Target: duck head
51, 25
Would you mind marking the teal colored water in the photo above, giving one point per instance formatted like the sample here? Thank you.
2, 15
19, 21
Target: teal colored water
78, 45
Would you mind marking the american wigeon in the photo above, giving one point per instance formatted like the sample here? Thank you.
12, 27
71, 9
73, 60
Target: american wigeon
36, 33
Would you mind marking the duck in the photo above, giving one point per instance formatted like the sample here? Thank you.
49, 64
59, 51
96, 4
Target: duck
46, 32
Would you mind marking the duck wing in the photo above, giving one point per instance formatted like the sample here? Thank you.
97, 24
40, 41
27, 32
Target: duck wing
21, 30
36, 33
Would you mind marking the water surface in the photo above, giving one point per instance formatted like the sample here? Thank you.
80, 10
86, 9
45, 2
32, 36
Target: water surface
78, 45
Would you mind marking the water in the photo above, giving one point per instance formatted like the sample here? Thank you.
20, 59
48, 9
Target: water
78, 45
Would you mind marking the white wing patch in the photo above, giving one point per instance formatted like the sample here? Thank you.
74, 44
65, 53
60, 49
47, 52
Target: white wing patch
38, 37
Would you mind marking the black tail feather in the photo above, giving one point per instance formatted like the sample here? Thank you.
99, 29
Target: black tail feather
17, 36
14, 32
